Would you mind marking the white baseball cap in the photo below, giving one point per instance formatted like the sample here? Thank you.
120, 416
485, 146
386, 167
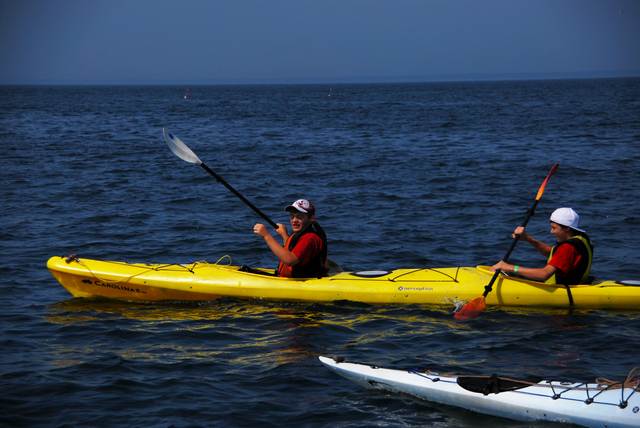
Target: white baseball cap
303, 206
566, 217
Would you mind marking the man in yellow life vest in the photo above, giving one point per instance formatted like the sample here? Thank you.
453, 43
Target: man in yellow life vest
568, 262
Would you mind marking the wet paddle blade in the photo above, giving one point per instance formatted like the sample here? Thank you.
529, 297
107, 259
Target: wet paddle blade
179, 148
471, 309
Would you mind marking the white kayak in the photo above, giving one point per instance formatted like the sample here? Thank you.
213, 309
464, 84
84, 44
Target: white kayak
600, 404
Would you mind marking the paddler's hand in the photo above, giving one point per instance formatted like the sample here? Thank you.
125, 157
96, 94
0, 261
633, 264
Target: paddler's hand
260, 229
503, 266
520, 233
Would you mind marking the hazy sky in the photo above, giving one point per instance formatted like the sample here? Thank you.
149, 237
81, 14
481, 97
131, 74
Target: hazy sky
271, 41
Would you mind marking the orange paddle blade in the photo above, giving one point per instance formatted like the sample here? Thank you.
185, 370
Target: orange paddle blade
471, 309
554, 168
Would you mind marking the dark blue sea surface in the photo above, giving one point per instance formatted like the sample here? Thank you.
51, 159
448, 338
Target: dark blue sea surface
402, 176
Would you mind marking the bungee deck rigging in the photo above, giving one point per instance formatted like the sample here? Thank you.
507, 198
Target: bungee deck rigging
495, 384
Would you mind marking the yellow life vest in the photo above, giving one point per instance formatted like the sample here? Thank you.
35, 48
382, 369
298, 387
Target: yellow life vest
581, 275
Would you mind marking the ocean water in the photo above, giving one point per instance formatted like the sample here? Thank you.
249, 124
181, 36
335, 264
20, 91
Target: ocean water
402, 176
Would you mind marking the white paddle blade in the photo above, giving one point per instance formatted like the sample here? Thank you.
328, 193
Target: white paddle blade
179, 148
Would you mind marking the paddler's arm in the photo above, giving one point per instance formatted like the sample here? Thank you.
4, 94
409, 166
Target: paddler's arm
535, 274
542, 248
285, 256
282, 231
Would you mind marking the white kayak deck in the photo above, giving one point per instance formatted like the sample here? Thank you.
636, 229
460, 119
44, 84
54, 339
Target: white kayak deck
588, 404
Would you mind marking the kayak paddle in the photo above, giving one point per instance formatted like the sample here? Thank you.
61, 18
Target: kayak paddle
183, 151
474, 307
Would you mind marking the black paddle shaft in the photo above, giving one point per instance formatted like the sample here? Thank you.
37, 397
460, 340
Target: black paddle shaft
532, 210
239, 195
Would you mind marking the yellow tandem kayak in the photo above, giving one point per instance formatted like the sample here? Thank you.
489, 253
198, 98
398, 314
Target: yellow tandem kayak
202, 281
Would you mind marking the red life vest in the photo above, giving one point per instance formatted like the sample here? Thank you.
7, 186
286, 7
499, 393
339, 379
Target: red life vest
317, 266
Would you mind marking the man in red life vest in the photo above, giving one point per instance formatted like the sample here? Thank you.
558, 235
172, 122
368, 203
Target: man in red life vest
304, 253
568, 262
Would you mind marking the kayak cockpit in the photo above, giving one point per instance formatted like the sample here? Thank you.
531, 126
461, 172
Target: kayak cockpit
494, 384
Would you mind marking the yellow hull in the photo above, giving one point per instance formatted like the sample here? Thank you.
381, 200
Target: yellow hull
201, 281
